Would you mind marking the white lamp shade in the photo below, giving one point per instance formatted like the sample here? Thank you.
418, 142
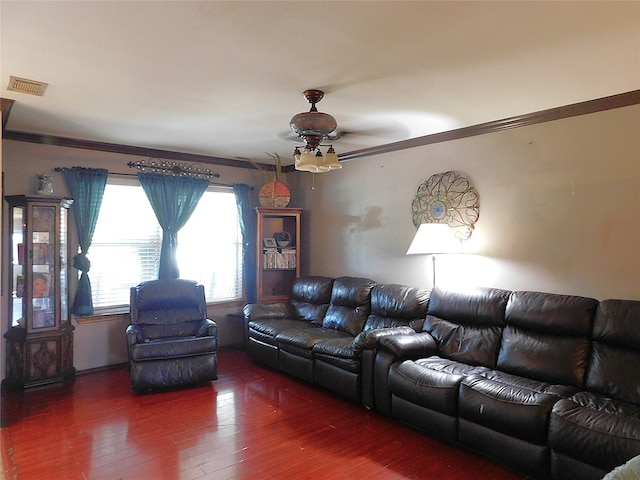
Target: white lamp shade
434, 238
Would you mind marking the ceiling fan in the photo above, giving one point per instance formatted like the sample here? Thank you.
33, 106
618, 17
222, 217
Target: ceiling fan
314, 127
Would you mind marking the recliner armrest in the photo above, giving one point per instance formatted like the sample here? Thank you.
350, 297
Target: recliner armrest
212, 328
134, 334
369, 339
255, 311
415, 345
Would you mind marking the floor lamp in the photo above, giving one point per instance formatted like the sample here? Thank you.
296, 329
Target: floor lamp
434, 238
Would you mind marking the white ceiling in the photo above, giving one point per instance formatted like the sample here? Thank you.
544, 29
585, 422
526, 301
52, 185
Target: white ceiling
223, 78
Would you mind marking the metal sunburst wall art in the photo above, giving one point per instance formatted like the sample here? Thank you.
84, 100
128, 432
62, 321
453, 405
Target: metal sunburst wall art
447, 198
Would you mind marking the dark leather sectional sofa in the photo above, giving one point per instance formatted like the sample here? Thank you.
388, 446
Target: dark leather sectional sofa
328, 332
547, 384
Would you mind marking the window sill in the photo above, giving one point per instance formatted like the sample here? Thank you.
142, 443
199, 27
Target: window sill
102, 318
119, 313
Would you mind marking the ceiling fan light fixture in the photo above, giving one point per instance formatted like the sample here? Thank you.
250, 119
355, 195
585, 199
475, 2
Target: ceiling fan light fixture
316, 163
314, 126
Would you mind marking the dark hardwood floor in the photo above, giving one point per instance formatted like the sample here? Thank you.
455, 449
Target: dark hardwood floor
251, 423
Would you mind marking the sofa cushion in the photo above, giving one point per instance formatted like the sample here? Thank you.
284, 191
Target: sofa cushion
547, 337
596, 430
467, 325
171, 348
262, 338
272, 327
341, 346
395, 305
430, 382
477, 306
301, 342
174, 293
509, 404
254, 311
615, 356
149, 331
171, 301
339, 352
310, 297
350, 304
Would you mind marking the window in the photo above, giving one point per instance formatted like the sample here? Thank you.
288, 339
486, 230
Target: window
126, 245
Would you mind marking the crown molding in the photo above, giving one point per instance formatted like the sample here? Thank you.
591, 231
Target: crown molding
558, 113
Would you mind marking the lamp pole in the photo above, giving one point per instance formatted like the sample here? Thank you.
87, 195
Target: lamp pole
433, 260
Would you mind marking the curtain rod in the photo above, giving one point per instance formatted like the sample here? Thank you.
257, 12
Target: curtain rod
215, 184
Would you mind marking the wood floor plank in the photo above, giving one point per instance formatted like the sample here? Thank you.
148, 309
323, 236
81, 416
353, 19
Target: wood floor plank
252, 423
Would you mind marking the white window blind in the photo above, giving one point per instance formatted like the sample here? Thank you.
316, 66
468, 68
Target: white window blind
126, 245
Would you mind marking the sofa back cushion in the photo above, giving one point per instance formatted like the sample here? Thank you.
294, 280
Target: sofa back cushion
396, 305
547, 337
350, 304
166, 302
615, 351
467, 324
310, 297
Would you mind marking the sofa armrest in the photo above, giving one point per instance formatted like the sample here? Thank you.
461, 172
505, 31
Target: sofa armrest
254, 311
409, 346
369, 339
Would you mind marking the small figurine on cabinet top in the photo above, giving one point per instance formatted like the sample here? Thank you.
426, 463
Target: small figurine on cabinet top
44, 185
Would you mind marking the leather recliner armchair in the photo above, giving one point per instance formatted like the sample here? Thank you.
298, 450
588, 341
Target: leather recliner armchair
170, 340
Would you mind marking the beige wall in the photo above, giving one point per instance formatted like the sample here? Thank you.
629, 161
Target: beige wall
559, 210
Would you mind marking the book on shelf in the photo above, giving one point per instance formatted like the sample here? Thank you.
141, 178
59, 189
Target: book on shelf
279, 258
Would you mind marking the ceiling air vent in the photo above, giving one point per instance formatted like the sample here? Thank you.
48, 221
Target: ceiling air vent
24, 85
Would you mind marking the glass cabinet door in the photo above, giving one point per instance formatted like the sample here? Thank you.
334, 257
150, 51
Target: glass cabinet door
63, 280
16, 265
38, 244
43, 278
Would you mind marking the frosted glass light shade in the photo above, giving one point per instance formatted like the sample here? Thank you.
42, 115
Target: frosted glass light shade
434, 238
331, 160
320, 163
307, 162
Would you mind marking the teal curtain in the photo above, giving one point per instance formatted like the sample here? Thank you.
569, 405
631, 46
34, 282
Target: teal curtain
86, 186
247, 218
173, 200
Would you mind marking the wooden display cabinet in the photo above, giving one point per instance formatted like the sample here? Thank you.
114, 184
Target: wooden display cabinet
277, 252
39, 334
